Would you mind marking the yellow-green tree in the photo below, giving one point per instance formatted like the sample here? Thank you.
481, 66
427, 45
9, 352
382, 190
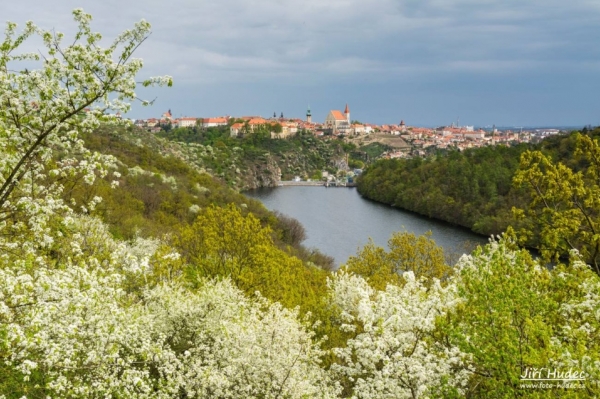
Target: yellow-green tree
564, 212
225, 242
407, 252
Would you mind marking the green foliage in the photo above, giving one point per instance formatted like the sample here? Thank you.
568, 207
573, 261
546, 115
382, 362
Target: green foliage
255, 159
516, 315
407, 252
158, 194
504, 314
471, 188
206, 136
155, 193
564, 212
347, 146
356, 164
555, 191
374, 150
224, 242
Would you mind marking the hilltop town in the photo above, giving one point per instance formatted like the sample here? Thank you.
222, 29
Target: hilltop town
402, 140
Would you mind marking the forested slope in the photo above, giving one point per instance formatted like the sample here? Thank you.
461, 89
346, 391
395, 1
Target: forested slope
471, 188
158, 190
527, 187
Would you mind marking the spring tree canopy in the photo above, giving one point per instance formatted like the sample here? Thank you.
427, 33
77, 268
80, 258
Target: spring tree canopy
43, 111
565, 205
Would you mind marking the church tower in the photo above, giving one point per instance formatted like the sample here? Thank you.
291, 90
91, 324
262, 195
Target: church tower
347, 113
308, 115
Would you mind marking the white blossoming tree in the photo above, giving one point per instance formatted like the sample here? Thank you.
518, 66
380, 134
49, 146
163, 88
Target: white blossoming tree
64, 324
395, 353
44, 109
517, 315
232, 346
70, 329
76, 329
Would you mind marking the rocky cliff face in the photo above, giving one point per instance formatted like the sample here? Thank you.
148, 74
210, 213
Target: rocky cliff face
265, 172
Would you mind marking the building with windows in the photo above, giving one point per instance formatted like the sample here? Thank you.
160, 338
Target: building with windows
339, 123
213, 122
187, 122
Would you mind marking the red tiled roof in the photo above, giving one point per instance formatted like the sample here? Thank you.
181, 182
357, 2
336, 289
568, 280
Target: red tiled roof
257, 121
215, 120
337, 115
247, 118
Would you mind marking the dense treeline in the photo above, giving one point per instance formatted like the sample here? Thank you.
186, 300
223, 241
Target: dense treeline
489, 189
472, 188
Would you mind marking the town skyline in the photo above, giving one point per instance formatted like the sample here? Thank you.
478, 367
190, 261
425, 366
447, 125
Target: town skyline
402, 140
506, 63
322, 121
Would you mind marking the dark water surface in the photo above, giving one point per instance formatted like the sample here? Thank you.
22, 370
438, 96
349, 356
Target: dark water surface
338, 221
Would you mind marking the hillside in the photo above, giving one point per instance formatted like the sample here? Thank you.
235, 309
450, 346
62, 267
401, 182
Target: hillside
257, 160
161, 187
471, 188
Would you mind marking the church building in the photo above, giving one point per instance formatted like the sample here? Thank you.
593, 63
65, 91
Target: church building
339, 123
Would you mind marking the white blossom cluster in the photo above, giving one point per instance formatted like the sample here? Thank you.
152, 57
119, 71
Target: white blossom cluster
230, 346
74, 330
44, 111
578, 336
69, 327
394, 355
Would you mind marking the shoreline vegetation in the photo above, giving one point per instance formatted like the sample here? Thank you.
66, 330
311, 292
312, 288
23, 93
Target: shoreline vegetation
477, 189
126, 271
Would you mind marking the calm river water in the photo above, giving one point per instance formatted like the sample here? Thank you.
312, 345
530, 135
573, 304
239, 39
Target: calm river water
338, 221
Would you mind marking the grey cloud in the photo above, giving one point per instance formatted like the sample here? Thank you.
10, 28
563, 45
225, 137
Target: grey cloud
231, 43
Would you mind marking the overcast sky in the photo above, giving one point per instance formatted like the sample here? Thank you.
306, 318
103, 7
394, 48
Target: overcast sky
428, 62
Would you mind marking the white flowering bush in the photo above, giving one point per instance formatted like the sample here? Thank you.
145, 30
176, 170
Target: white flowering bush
231, 346
576, 290
71, 328
394, 353
86, 326
44, 111
517, 315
